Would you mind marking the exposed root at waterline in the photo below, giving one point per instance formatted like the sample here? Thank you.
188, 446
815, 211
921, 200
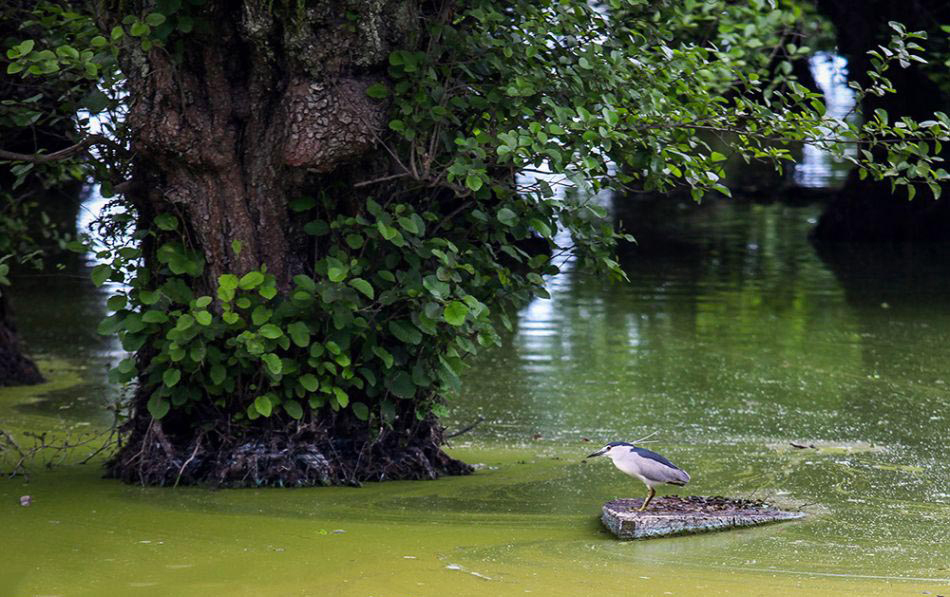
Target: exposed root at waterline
302, 454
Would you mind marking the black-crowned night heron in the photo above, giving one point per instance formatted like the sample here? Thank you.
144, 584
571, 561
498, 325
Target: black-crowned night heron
649, 467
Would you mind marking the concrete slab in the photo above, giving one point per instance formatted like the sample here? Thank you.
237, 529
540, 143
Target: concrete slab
674, 515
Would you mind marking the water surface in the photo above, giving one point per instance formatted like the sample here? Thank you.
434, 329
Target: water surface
732, 340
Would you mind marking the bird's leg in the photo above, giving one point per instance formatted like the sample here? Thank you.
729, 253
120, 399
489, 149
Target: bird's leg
646, 502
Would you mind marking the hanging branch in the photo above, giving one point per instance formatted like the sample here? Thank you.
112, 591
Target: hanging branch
62, 154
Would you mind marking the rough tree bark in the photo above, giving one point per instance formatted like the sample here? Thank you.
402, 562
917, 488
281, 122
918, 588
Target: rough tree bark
268, 106
865, 210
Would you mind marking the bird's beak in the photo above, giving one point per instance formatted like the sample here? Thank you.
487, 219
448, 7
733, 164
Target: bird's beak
600, 452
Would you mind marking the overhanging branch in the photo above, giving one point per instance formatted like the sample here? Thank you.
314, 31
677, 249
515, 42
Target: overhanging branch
62, 154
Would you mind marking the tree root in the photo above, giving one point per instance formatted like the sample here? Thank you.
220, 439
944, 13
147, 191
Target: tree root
307, 454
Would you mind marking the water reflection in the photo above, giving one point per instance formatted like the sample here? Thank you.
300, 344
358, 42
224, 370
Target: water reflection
722, 297
734, 339
817, 169
57, 312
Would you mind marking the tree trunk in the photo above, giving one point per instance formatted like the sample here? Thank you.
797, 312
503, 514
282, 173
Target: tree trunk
266, 106
15, 369
866, 210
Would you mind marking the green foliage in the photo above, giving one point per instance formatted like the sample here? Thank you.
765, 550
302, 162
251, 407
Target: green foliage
370, 321
621, 97
510, 117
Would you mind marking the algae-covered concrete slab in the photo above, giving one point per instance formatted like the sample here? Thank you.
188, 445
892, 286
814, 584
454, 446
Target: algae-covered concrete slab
674, 515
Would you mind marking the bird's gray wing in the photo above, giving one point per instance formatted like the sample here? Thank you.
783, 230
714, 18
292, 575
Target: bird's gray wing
660, 469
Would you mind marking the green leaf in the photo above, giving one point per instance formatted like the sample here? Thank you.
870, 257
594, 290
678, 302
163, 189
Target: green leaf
377, 91
140, 29
299, 333
228, 281
271, 332
25, 47
100, 274
260, 315
203, 317
364, 287
263, 405
114, 303
507, 217
360, 410
309, 382
401, 385
342, 397
67, 52
302, 204
158, 407
474, 182
436, 287
293, 408
409, 225
455, 313
250, 280
155, 19
171, 377
405, 332
166, 221
273, 363
386, 231
336, 270
354, 241
218, 374
154, 316
384, 356
316, 228
184, 322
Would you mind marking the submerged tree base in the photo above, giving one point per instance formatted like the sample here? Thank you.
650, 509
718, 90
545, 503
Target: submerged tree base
15, 368
674, 515
332, 452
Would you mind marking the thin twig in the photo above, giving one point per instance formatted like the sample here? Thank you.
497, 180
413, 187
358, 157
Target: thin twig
62, 154
190, 458
466, 429
367, 183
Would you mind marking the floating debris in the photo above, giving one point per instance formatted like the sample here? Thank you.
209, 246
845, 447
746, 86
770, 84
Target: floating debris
674, 515
802, 447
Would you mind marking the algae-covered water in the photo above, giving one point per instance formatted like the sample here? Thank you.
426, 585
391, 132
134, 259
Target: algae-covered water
732, 340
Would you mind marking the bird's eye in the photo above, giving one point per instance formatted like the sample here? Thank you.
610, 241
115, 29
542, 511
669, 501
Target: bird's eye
609, 447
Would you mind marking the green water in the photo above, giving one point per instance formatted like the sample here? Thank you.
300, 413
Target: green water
733, 339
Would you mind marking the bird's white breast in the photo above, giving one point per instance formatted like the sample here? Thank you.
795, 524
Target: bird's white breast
630, 464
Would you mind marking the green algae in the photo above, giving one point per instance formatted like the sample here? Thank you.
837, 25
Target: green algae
523, 523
